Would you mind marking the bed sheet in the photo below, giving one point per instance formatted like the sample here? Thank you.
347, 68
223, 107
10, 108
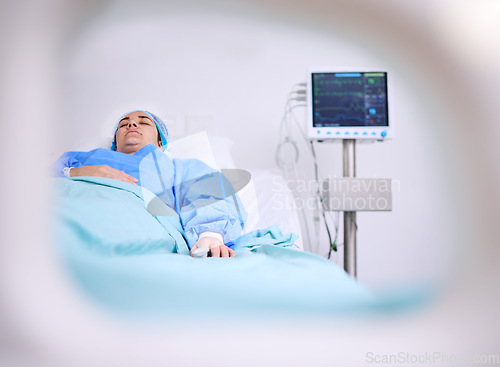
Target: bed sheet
136, 263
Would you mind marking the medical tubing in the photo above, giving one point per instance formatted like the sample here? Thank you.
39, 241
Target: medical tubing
318, 194
284, 119
333, 245
281, 162
318, 197
295, 167
286, 139
298, 126
301, 212
321, 200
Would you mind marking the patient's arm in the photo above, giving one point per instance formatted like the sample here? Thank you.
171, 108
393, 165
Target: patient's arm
206, 201
217, 248
102, 171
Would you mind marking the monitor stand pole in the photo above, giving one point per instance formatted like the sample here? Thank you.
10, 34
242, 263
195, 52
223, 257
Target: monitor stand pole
349, 170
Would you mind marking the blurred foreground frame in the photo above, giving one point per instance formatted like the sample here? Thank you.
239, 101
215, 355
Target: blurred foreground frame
34, 33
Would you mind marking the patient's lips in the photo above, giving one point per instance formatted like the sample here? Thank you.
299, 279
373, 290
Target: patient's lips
132, 131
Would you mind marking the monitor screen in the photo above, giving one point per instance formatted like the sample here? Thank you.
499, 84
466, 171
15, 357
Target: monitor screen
348, 105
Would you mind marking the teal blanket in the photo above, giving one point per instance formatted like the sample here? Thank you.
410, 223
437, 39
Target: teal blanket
133, 261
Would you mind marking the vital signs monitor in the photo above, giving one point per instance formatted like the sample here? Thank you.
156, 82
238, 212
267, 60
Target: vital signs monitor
348, 105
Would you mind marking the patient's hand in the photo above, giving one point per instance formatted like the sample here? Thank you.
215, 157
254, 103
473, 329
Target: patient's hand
217, 248
102, 171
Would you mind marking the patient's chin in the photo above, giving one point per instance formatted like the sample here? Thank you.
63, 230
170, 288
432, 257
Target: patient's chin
133, 142
133, 138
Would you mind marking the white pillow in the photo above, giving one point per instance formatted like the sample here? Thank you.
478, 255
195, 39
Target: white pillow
221, 148
196, 146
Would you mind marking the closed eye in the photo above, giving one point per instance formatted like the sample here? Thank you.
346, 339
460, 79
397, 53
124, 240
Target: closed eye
144, 120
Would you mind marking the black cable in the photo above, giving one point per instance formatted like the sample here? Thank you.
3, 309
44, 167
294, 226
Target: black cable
332, 244
298, 95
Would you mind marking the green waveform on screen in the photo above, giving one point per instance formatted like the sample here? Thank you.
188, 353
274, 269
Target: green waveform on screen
353, 107
318, 93
340, 81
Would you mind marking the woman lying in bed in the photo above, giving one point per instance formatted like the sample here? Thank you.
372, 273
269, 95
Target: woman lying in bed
212, 218
134, 259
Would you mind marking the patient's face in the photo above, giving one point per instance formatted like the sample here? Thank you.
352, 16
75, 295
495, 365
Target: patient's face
135, 131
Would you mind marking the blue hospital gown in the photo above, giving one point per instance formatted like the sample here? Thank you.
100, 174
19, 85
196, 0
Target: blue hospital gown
202, 198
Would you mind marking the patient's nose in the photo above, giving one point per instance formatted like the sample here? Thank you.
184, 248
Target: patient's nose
132, 124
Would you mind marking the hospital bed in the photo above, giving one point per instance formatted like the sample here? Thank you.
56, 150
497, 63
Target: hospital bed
135, 263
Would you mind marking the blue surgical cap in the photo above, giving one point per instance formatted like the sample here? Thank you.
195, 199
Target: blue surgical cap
162, 128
